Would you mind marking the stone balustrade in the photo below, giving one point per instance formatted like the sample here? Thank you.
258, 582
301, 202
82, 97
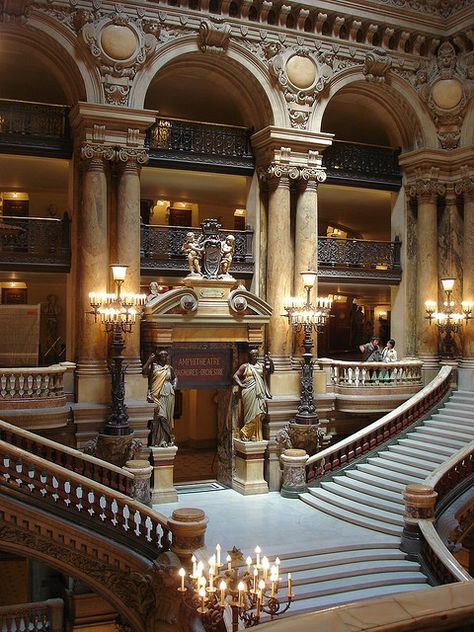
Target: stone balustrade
21, 384
34, 617
386, 374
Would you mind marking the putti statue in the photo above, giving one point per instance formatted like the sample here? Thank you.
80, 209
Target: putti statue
209, 256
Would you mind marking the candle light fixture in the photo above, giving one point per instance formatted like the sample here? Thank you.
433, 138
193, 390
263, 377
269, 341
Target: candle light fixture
118, 314
449, 321
248, 589
303, 315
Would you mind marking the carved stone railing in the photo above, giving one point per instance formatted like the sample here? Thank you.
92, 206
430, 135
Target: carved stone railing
78, 498
161, 249
386, 374
34, 128
41, 616
335, 457
358, 258
367, 165
20, 385
36, 243
74, 460
205, 146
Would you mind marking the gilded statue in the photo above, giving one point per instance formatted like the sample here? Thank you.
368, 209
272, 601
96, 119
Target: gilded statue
162, 383
251, 378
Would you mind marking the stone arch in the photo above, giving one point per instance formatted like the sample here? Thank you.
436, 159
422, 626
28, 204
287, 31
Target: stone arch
241, 72
57, 49
408, 121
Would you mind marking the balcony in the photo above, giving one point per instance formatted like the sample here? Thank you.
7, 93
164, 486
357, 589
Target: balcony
161, 250
359, 260
39, 244
363, 165
36, 129
188, 145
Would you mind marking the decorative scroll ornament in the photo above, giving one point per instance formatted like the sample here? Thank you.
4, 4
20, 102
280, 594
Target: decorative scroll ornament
96, 152
213, 37
446, 87
427, 186
130, 156
119, 46
278, 170
376, 65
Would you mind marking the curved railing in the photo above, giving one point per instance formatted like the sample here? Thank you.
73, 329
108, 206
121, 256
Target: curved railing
375, 434
27, 383
73, 460
453, 472
357, 374
83, 500
40, 616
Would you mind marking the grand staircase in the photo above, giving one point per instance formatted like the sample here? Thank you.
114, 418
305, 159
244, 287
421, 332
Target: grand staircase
369, 494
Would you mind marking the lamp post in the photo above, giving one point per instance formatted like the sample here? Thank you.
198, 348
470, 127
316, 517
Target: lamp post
117, 313
249, 589
303, 315
448, 321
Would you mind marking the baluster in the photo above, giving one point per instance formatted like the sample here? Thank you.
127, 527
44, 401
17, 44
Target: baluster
3, 385
349, 375
55, 483
30, 385
364, 375
79, 504
31, 476
357, 375
148, 528
11, 382
126, 516
67, 493
38, 385
35, 621
21, 382
114, 509
46, 385
91, 501
137, 519
102, 506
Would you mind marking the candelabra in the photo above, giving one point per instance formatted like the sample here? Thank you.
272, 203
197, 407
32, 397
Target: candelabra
449, 321
303, 315
249, 590
117, 313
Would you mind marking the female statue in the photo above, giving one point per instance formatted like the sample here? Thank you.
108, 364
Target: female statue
162, 383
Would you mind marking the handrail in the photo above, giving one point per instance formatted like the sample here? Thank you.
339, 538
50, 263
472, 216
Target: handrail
368, 438
81, 498
452, 472
440, 561
356, 374
34, 617
73, 460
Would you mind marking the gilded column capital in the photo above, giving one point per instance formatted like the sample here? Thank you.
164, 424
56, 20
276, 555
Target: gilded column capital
131, 157
96, 153
427, 189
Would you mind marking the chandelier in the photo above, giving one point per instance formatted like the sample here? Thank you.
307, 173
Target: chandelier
249, 588
449, 321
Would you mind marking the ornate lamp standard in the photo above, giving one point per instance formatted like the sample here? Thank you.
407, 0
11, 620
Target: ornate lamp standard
117, 313
449, 321
303, 315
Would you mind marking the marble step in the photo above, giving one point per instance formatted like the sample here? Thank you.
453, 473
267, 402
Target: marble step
360, 508
383, 472
369, 488
465, 397
409, 460
395, 466
340, 558
452, 426
442, 436
427, 446
349, 570
458, 408
416, 453
349, 516
375, 481
461, 423
362, 497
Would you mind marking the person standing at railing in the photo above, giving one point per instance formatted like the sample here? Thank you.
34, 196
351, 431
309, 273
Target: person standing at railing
389, 354
371, 350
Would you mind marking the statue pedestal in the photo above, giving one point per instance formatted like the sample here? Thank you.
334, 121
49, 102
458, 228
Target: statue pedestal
249, 461
163, 490
294, 472
115, 449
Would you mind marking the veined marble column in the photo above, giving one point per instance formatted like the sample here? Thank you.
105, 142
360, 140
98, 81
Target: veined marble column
92, 268
466, 188
279, 261
128, 236
426, 192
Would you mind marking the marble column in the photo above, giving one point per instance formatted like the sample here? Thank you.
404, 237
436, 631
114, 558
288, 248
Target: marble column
426, 191
127, 249
466, 189
92, 272
279, 262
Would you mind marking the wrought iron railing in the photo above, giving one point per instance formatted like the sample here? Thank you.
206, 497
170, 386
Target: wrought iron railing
41, 243
161, 249
34, 128
359, 253
363, 164
331, 459
40, 616
200, 145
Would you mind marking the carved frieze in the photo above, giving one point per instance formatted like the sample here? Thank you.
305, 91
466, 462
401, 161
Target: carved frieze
377, 63
213, 36
282, 170
427, 186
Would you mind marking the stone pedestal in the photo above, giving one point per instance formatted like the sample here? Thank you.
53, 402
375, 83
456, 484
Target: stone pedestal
294, 472
188, 527
420, 502
114, 448
249, 461
141, 471
163, 490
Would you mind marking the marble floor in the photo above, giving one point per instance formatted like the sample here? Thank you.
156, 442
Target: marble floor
278, 525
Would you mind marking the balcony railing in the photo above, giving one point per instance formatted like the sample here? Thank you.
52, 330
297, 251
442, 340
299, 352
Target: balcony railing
37, 243
161, 250
200, 146
34, 128
358, 259
41, 616
363, 165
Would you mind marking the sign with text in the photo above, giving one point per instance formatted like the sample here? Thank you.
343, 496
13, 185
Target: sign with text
202, 368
